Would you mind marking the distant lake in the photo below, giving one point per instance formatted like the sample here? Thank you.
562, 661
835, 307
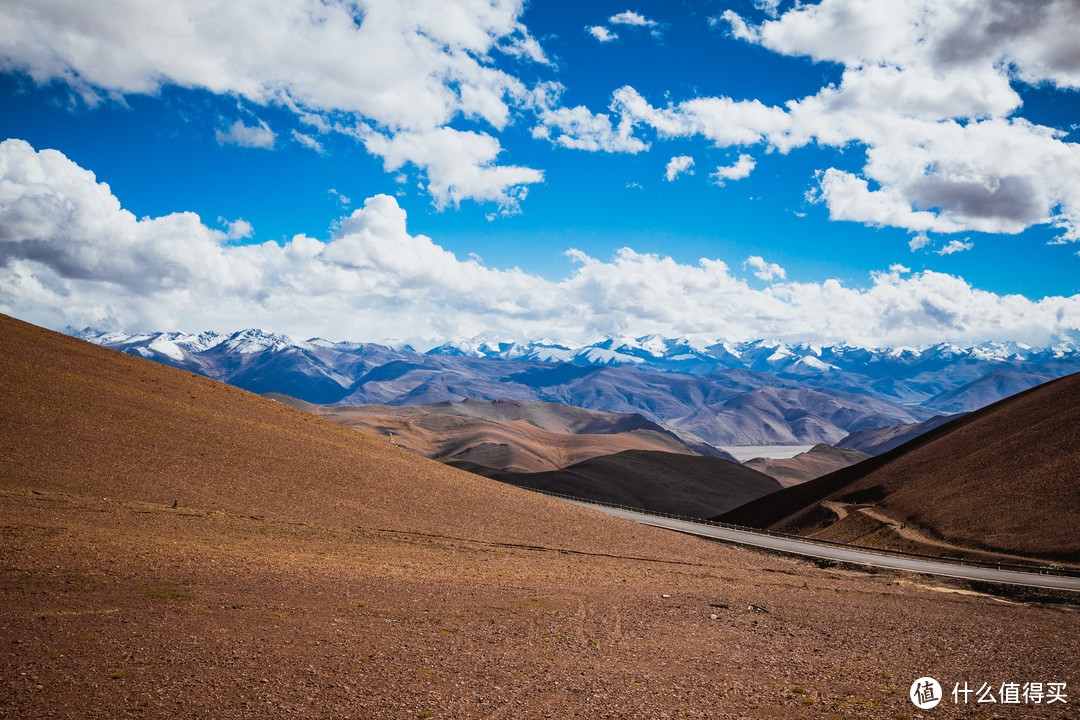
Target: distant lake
742, 453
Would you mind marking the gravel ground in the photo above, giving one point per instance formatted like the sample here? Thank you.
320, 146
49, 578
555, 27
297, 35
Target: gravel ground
123, 609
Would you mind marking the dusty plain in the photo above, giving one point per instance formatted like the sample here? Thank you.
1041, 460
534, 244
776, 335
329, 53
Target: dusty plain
307, 571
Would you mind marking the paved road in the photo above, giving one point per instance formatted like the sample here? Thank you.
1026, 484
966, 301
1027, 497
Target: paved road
843, 554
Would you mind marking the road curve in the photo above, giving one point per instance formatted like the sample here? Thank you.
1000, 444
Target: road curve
843, 554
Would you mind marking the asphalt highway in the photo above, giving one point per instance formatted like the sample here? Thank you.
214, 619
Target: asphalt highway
845, 554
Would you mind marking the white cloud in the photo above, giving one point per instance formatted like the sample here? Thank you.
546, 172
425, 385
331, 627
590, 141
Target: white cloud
307, 141
677, 166
723, 121
927, 89
741, 169
629, 17
580, 129
237, 229
899, 269
918, 242
955, 246
460, 165
71, 255
769, 7
764, 270
410, 67
601, 33
342, 198
255, 136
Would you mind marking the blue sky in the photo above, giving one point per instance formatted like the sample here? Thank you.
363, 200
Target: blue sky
883, 173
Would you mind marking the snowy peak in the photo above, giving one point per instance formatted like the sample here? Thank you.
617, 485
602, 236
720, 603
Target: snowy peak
247, 342
653, 352
939, 378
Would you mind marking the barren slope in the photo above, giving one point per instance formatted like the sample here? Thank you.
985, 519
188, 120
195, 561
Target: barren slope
507, 435
308, 572
819, 460
1004, 478
85, 420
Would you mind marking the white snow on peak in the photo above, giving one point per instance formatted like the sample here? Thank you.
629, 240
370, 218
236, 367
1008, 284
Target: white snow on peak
552, 354
814, 363
652, 344
599, 356
198, 343
164, 346
780, 354
901, 351
255, 341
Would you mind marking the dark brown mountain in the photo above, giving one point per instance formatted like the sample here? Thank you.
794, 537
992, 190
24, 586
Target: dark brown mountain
1005, 479
659, 481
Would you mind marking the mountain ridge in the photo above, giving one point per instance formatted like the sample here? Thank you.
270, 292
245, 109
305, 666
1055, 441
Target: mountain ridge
507, 435
674, 382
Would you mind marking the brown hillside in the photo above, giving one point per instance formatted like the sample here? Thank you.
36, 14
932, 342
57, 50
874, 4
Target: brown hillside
309, 572
459, 433
819, 460
88, 421
1005, 478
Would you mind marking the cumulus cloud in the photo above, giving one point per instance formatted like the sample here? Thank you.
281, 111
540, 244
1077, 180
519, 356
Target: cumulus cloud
70, 254
742, 168
955, 246
928, 89
255, 136
918, 242
460, 165
677, 166
237, 229
764, 270
601, 33
629, 17
401, 67
581, 129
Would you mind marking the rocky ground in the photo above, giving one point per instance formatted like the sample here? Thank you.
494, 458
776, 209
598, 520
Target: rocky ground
123, 609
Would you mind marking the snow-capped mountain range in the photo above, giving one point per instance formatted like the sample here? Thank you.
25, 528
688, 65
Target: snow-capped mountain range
682, 355
726, 392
